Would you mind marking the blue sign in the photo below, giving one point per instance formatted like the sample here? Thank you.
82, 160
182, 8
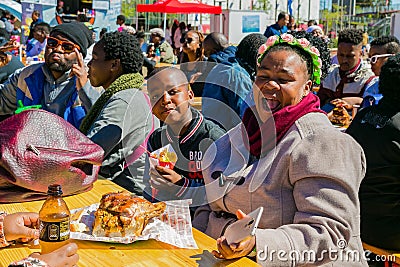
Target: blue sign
251, 23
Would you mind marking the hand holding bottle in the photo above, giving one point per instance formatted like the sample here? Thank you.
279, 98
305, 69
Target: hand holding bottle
54, 219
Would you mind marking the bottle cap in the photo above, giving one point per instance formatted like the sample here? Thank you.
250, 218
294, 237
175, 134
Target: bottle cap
54, 190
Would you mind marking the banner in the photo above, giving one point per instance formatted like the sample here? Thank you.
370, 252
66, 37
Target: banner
103, 5
26, 21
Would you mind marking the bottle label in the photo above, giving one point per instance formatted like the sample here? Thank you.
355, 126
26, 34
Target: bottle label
54, 231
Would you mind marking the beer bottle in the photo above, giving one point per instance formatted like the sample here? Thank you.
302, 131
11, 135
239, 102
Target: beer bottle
54, 217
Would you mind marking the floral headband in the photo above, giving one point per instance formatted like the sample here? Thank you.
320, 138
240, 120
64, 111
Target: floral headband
302, 43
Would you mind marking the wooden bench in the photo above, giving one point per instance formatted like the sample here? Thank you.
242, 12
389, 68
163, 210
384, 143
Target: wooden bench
388, 255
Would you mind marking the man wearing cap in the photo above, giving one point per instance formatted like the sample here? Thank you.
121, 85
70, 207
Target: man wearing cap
60, 84
165, 49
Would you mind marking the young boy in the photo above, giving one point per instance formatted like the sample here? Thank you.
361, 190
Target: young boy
188, 132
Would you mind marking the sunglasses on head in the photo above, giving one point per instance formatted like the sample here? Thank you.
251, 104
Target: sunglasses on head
68, 47
374, 59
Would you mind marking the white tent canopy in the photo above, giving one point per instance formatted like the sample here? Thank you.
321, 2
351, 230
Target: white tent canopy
12, 6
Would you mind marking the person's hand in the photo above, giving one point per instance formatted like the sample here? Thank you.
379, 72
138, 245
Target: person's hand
21, 225
235, 250
10, 45
194, 77
161, 177
4, 60
66, 256
330, 115
79, 70
341, 102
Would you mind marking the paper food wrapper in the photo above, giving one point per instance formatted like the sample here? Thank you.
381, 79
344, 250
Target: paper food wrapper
165, 157
174, 227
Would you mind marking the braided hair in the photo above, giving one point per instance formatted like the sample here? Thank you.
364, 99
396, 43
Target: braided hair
247, 51
126, 48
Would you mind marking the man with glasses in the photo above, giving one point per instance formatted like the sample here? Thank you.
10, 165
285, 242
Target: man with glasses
60, 84
382, 48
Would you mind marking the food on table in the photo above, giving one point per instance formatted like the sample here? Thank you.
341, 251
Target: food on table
122, 214
78, 227
165, 158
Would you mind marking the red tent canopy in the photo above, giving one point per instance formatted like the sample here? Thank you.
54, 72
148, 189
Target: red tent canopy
179, 7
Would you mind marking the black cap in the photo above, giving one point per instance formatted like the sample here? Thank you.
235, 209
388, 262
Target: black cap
76, 32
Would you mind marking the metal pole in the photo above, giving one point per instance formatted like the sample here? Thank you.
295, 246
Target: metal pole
165, 22
220, 24
298, 11
137, 20
350, 11
309, 9
287, 7
340, 12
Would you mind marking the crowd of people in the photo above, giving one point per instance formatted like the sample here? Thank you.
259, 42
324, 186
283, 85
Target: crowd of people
262, 138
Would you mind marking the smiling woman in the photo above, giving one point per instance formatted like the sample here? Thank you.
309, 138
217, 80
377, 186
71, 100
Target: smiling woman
278, 159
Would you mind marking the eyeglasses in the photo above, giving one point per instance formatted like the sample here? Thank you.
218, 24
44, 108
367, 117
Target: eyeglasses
374, 59
187, 40
68, 47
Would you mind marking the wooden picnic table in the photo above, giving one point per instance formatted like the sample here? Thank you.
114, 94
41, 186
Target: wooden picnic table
140, 253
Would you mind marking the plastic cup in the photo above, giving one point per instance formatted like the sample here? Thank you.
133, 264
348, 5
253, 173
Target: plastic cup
166, 164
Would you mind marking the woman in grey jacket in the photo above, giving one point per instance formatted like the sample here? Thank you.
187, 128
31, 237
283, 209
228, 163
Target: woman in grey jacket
288, 158
121, 120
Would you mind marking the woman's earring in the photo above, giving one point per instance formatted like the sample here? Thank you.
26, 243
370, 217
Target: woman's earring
302, 96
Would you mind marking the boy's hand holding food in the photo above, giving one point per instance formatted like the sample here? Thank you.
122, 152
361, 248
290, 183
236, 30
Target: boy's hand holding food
162, 177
